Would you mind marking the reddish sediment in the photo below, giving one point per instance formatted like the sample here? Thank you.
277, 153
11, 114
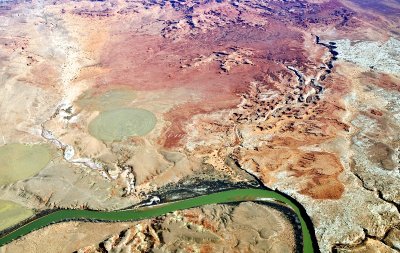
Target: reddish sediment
153, 63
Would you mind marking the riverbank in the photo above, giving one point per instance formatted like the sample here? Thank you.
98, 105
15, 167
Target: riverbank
237, 195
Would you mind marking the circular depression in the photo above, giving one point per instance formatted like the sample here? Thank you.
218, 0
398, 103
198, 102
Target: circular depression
109, 100
115, 125
19, 161
11, 213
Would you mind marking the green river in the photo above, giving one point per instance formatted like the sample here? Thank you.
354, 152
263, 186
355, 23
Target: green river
152, 211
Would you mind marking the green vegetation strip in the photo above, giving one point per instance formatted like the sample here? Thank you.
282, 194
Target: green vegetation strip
149, 212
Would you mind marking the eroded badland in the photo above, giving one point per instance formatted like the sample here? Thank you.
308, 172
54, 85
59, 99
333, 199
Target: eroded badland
133, 98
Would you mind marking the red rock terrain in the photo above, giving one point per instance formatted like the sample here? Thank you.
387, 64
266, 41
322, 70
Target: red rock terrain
301, 94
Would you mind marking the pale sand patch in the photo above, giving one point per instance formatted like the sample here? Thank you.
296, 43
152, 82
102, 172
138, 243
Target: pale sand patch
64, 237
